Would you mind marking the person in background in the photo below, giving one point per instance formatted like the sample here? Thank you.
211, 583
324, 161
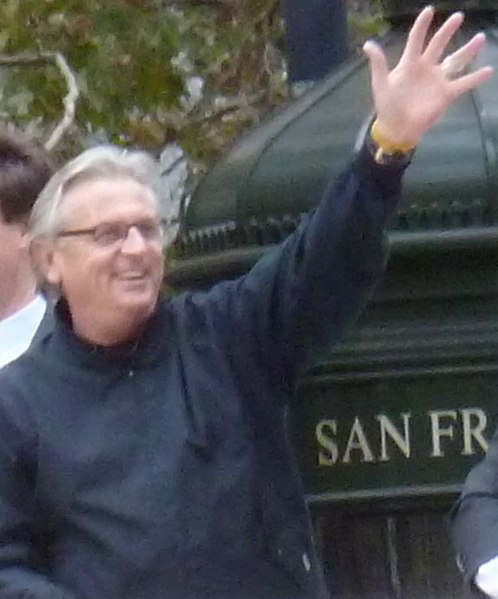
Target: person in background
24, 170
474, 524
143, 444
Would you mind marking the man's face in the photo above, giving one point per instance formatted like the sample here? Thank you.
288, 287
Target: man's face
103, 280
13, 254
11, 236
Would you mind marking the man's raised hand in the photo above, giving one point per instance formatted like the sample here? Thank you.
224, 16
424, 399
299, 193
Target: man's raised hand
412, 96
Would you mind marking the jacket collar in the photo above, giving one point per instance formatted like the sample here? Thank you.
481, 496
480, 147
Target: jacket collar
145, 350
46, 325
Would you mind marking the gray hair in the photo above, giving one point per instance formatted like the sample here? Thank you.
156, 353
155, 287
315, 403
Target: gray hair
95, 163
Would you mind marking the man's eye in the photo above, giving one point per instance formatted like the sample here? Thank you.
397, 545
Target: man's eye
148, 230
108, 235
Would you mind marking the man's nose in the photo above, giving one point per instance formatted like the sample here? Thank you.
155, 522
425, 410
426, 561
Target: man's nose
133, 242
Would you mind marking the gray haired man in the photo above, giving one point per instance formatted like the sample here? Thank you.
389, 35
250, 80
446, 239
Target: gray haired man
143, 451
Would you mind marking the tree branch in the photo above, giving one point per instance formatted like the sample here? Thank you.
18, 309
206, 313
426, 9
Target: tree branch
69, 101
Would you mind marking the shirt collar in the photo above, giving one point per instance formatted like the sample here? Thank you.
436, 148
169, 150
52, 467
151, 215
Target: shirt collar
18, 330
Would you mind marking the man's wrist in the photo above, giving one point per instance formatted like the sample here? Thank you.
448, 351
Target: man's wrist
385, 151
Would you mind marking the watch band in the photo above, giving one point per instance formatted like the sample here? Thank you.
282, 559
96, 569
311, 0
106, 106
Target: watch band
383, 151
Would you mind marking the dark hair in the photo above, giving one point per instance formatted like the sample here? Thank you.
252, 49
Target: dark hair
25, 167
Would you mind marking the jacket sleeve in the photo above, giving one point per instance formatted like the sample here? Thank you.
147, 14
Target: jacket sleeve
24, 570
302, 294
474, 518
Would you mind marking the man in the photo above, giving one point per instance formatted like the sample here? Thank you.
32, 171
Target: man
143, 449
475, 524
24, 170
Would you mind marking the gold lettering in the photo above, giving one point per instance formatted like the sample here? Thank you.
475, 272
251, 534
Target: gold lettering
328, 454
387, 429
438, 431
473, 431
358, 440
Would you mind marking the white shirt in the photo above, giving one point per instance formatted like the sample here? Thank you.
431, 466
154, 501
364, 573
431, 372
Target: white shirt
487, 578
18, 330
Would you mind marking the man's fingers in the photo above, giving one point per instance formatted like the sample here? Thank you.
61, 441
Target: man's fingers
459, 59
439, 41
379, 69
467, 82
416, 37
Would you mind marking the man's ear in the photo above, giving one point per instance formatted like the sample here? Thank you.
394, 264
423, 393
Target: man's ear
45, 262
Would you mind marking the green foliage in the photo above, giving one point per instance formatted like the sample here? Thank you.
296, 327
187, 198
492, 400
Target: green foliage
366, 19
132, 60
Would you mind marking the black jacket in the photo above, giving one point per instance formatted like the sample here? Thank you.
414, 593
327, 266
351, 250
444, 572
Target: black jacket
161, 469
474, 518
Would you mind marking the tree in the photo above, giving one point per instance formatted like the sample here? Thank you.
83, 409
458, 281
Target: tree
149, 72
139, 66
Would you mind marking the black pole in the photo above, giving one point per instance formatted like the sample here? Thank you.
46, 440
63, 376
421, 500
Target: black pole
316, 37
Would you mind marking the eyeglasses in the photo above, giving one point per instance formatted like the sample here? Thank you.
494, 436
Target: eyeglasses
112, 234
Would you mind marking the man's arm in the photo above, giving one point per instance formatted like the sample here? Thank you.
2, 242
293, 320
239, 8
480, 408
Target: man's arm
24, 574
304, 294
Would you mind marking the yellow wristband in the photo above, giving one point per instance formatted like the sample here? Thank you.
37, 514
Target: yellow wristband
385, 145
